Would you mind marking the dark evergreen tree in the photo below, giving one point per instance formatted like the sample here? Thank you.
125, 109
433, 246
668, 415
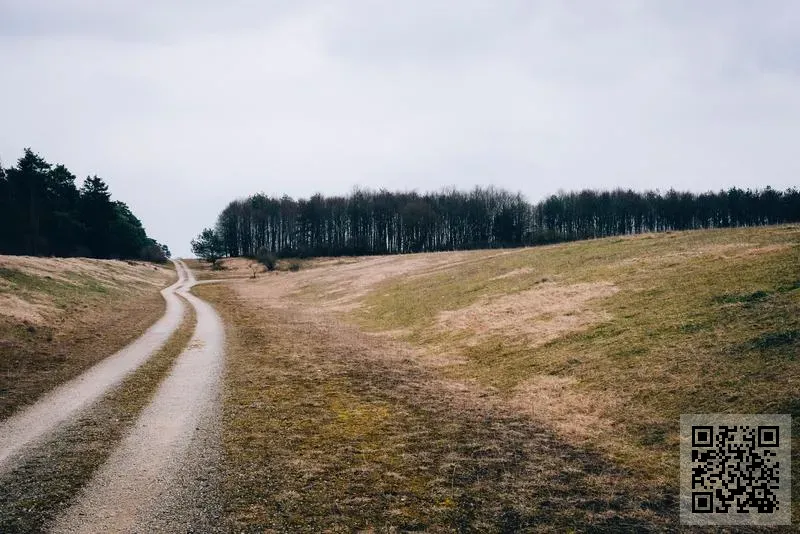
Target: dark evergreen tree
43, 213
208, 246
63, 226
27, 186
97, 213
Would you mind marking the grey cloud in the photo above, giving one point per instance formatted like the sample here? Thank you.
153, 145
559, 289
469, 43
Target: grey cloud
143, 21
190, 104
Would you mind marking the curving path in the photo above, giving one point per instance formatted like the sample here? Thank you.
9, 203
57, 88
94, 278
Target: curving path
29, 425
143, 472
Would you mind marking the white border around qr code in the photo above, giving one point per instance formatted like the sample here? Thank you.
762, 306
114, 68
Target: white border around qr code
782, 456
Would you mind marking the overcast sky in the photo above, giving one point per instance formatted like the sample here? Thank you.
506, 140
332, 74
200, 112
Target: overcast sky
183, 105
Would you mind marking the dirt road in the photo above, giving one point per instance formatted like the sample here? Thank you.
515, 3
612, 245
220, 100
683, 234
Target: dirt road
152, 464
31, 424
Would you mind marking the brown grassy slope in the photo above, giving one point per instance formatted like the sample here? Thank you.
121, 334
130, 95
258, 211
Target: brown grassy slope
327, 428
60, 316
637, 331
604, 343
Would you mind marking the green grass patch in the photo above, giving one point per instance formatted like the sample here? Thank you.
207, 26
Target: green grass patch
756, 296
21, 281
778, 340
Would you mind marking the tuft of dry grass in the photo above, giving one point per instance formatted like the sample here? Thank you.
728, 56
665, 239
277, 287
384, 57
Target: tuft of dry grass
52, 474
58, 317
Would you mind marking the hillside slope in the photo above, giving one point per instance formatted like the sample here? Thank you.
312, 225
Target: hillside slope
602, 344
58, 316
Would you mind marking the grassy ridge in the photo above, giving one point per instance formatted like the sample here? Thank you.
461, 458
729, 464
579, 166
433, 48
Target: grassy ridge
60, 316
702, 322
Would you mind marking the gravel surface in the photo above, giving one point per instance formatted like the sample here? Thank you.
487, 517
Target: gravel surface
31, 424
162, 477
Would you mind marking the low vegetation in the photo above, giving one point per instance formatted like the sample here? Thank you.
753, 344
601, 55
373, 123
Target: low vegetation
267, 259
698, 322
326, 428
60, 316
237, 268
420, 391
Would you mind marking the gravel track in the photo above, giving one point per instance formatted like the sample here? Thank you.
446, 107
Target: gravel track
31, 424
160, 478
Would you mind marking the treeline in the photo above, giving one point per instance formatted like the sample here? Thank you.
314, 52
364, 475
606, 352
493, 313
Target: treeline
383, 222
43, 213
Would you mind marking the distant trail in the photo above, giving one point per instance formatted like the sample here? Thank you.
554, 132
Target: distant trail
144, 472
31, 424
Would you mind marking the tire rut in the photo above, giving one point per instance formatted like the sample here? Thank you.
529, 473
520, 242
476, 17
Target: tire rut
170, 452
30, 425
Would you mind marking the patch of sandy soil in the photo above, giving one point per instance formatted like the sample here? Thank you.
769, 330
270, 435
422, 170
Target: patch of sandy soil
339, 286
540, 314
41, 418
149, 468
26, 311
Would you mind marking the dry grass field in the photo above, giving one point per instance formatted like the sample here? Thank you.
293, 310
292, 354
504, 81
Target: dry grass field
58, 316
498, 390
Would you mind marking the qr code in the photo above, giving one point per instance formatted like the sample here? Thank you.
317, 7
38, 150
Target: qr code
735, 469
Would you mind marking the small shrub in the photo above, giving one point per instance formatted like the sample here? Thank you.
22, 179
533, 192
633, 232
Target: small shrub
153, 253
266, 258
777, 339
745, 298
789, 287
294, 266
256, 268
217, 266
